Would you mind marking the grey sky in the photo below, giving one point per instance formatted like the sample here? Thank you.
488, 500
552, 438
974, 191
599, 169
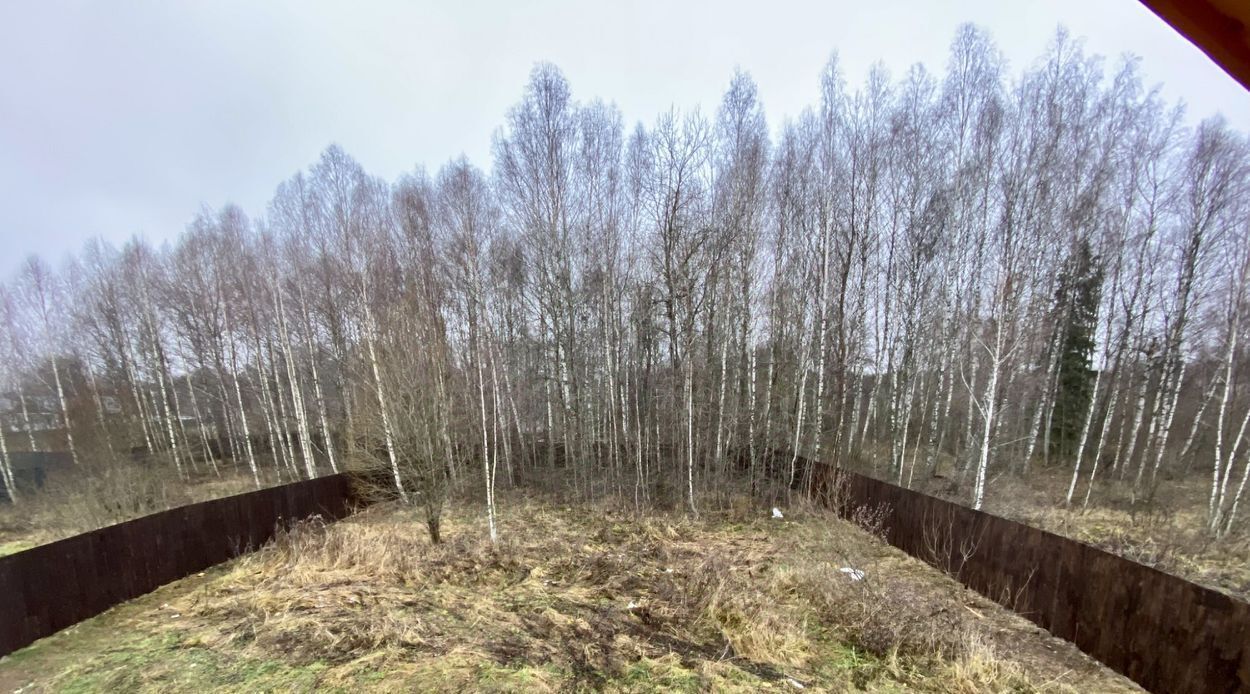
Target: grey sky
119, 118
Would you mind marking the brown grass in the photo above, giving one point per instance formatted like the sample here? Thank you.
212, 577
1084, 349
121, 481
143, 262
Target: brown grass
578, 598
80, 500
1167, 532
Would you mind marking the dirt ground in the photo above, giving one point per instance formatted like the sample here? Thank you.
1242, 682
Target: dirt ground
570, 599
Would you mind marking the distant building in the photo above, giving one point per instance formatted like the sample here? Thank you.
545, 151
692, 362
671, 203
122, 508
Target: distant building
42, 411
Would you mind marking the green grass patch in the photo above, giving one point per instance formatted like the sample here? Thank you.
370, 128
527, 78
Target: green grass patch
7, 548
660, 674
164, 663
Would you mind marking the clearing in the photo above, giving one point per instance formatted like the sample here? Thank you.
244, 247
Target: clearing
581, 598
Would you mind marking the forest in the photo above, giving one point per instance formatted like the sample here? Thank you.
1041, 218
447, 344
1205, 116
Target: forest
967, 278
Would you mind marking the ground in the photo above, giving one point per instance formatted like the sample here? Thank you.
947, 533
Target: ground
570, 599
14, 546
76, 503
1167, 532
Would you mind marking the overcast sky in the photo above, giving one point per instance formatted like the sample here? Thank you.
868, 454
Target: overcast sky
124, 117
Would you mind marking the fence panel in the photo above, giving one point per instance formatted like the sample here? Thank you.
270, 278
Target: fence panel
47, 588
1163, 632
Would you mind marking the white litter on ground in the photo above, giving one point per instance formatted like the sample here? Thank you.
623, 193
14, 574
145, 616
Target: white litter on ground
853, 574
777, 513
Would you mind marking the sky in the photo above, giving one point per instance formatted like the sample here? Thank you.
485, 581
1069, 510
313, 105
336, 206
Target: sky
126, 117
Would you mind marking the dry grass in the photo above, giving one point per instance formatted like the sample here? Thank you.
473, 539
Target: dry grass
1168, 532
85, 499
578, 598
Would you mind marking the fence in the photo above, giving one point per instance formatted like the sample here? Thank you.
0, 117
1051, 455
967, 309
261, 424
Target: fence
1163, 632
50, 587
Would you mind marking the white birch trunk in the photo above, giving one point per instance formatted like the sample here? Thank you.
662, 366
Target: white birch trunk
140, 412
1219, 475
169, 423
25, 419
1139, 413
297, 396
720, 405
1165, 427
99, 410
60, 395
281, 457
322, 416
989, 403
1188, 446
487, 468
690, 434
818, 423
1113, 399
1046, 404
199, 419
247, 435
1229, 516
6, 468
387, 431
1080, 449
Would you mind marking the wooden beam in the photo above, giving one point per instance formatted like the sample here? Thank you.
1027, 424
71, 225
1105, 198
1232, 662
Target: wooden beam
1217, 27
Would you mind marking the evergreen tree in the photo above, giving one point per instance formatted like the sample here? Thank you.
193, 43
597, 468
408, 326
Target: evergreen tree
1076, 302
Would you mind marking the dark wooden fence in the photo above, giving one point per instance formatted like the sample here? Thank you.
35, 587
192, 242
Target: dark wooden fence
1163, 632
50, 587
